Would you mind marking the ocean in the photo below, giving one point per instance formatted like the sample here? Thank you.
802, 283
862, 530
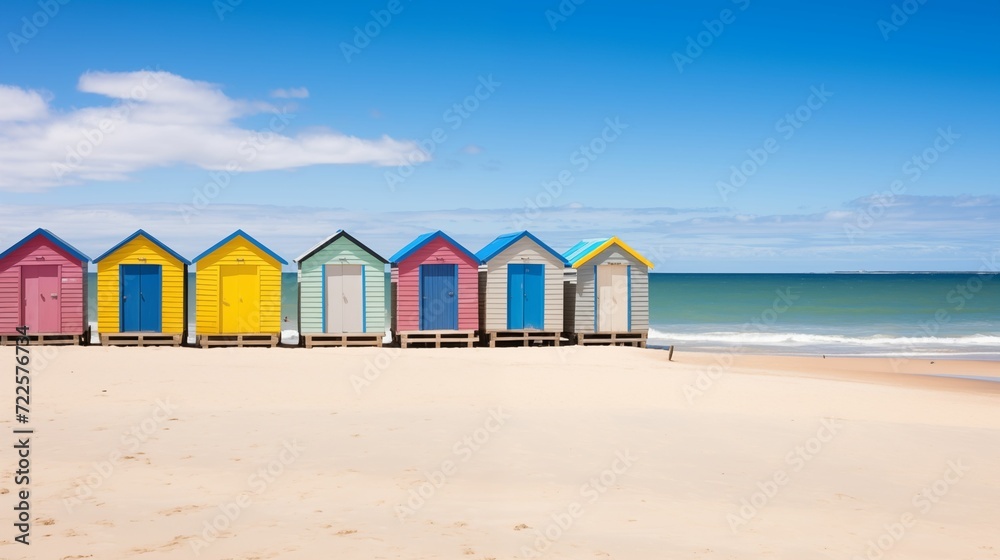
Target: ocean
943, 315
892, 314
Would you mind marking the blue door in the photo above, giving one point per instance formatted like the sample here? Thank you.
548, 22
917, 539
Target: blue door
141, 291
438, 296
526, 296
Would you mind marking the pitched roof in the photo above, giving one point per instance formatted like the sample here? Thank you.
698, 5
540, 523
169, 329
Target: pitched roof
51, 237
244, 235
152, 239
585, 250
426, 238
340, 233
498, 245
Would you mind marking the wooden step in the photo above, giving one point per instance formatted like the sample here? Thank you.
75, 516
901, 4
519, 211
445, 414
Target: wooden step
42, 339
141, 339
637, 339
437, 339
239, 340
343, 339
523, 338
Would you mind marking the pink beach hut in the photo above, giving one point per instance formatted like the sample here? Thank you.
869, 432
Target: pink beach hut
43, 286
435, 292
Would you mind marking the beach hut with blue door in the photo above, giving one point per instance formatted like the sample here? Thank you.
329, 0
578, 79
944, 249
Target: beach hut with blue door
435, 292
142, 293
43, 286
341, 293
521, 290
611, 294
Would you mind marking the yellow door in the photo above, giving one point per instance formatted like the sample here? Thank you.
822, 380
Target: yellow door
239, 295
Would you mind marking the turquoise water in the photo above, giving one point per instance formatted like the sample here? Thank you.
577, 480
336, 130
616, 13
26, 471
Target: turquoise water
846, 314
883, 314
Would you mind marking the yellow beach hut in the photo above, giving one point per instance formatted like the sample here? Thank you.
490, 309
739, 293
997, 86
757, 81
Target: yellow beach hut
238, 293
141, 293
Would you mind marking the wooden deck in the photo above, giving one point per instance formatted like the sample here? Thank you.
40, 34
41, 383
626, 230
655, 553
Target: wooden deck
343, 339
637, 339
43, 339
523, 338
141, 339
437, 339
239, 340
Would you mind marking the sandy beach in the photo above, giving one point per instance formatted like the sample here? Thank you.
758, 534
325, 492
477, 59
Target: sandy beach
505, 453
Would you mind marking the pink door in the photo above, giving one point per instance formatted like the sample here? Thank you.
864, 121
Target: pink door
40, 288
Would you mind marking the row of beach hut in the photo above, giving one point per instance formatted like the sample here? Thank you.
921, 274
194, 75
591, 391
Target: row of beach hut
515, 290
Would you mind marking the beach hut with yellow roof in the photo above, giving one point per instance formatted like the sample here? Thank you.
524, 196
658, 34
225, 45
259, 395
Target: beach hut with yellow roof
610, 302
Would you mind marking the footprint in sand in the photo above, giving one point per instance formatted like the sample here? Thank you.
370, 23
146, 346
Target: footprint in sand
347, 532
176, 542
180, 509
46, 521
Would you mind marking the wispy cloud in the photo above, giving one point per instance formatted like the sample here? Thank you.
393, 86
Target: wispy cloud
290, 93
19, 105
472, 149
161, 119
934, 233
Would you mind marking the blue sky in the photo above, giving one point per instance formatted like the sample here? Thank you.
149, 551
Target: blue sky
486, 103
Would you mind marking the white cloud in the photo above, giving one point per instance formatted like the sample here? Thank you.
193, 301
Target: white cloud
472, 149
17, 104
934, 237
290, 93
162, 119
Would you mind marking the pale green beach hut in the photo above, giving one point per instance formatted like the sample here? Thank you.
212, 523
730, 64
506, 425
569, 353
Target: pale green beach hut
341, 293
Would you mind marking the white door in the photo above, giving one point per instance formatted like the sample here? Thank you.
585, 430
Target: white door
612, 298
344, 298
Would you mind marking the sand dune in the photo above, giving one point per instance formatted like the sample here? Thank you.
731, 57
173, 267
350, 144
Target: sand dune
506, 453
